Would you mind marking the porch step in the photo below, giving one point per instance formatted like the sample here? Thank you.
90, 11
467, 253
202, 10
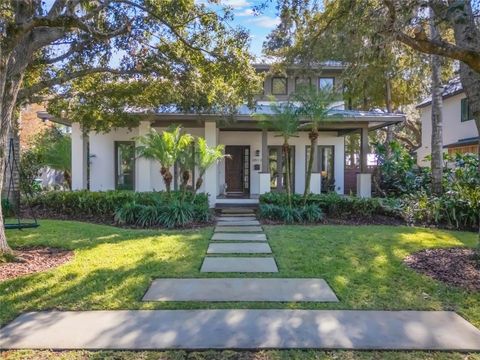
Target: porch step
239, 223
236, 218
243, 215
237, 210
238, 237
239, 264
238, 229
275, 290
239, 248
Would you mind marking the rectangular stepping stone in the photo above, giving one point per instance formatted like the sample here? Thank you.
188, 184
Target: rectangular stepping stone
236, 218
240, 290
238, 223
223, 215
239, 248
237, 211
240, 229
241, 329
239, 264
238, 237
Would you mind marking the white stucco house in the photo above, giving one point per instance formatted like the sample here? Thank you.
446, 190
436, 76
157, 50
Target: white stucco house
105, 161
460, 134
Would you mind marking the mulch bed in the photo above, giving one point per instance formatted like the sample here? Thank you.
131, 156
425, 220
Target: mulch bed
378, 220
29, 261
453, 266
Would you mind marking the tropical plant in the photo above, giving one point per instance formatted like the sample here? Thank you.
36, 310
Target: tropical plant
284, 120
58, 156
206, 156
164, 147
315, 105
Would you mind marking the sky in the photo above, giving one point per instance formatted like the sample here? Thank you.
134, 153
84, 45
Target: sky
259, 25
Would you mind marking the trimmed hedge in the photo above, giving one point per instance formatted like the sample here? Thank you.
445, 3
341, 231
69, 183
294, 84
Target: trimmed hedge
142, 209
339, 206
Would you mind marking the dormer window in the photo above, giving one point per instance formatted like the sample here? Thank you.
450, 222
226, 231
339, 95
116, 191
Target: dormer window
279, 85
326, 83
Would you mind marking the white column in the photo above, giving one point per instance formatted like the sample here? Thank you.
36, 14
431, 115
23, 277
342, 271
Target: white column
143, 173
79, 158
364, 179
316, 183
210, 181
264, 175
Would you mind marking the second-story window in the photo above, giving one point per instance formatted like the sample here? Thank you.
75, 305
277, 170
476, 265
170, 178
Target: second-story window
279, 86
326, 83
466, 112
302, 82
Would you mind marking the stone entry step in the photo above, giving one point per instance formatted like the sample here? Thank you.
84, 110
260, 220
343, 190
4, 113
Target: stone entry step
316, 290
239, 248
241, 329
237, 211
240, 229
223, 215
239, 223
238, 237
236, 218
239, 264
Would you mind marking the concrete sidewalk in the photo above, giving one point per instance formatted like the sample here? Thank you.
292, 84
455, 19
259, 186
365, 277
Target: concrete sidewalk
241, 329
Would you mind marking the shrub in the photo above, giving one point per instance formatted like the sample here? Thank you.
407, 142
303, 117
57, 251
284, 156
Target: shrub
176, 214
6, 208
143, 209
297, 214
332, 204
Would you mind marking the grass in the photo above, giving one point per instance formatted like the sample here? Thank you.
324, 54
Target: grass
113, 267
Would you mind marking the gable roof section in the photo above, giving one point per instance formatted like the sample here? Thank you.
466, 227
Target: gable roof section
452, 88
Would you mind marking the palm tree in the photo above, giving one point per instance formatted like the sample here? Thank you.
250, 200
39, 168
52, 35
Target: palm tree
58, 156
314, 105
205, 157
166, 148
285, 121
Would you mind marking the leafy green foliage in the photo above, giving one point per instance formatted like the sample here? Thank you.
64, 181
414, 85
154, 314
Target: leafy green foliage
143, 209
205, 157
6, 208
397, 171
331, 204
310, 213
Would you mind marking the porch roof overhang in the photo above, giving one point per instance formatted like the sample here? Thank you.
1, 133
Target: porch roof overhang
342, 121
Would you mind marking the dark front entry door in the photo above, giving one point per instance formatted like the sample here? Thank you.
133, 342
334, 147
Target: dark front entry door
237, 169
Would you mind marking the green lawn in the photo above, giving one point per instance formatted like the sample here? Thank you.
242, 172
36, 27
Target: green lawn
113, 267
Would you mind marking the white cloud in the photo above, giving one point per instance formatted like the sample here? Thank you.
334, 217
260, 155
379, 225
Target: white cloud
246, 12
236, 4
264, 21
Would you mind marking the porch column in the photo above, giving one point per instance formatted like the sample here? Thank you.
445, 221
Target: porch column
265, 173
79, 158
143, 173
210, 181
364, 179
316, 179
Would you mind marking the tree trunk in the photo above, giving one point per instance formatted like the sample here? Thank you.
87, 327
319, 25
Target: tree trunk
388, 104
437, 123
313, 145
286, 154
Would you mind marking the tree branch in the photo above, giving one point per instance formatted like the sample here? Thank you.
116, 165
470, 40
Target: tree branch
26, 93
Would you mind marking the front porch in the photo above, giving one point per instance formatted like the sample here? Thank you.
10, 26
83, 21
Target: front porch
256, 164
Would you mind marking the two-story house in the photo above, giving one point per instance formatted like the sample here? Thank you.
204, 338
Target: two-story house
460, 134
256, 164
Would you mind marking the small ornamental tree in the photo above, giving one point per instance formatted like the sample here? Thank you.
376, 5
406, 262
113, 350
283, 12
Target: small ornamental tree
285, 121
166, 148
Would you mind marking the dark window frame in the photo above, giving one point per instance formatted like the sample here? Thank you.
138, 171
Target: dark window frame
465, 111
280, 78
115, 156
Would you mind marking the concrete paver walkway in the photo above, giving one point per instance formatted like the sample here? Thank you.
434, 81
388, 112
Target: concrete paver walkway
239, 248
241, 329
244, 241
233, 289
